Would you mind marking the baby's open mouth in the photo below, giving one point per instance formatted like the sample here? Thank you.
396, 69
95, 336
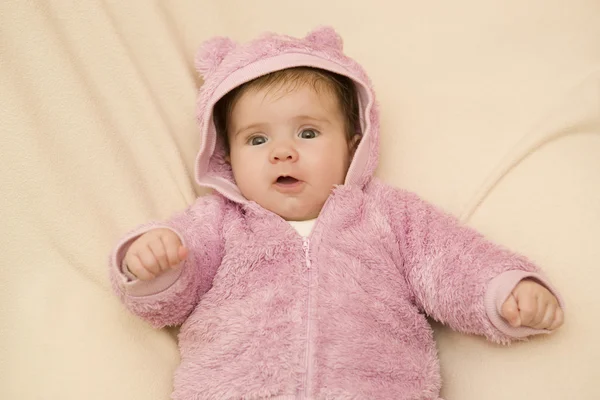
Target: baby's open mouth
286, 180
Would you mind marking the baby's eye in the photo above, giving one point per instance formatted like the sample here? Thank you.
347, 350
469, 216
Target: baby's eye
308, 134
257, 140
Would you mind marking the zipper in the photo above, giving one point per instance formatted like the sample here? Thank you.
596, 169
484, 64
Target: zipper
308, 356
309, 369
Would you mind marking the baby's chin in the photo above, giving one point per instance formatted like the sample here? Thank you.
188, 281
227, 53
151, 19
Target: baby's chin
297, 213
290, 208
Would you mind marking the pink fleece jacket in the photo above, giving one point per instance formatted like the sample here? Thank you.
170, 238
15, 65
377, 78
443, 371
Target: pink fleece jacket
266, 313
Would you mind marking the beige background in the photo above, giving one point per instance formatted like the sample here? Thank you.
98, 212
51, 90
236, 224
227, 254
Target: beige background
491, 109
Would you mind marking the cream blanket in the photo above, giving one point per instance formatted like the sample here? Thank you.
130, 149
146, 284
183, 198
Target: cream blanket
491, 109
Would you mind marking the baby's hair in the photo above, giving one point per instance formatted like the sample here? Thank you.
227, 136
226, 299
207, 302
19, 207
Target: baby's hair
341, 86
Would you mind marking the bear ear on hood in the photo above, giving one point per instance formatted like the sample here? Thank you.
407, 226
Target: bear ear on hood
326, 36
211, 53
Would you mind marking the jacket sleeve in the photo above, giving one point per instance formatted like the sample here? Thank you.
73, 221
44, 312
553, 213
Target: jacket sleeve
458, 277
170, 298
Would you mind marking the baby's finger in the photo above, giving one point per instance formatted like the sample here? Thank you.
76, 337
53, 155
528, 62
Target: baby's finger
148, 260
548, 318
135, 266
171, 250
510, 311
173, 243
558, 319
160, 254
542, 307
527, 309
183, 252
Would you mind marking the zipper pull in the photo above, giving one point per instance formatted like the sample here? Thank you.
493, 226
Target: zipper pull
306, 253
305, 244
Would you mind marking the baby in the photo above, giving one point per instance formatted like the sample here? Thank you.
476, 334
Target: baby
303, 276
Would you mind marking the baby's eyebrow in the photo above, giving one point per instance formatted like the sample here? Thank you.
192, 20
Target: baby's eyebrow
319, 118
254, 126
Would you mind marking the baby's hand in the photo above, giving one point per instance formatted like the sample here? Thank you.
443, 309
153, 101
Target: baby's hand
531, 304
153, 253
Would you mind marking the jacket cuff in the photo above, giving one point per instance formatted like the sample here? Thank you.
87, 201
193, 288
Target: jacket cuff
498, 291
129, 283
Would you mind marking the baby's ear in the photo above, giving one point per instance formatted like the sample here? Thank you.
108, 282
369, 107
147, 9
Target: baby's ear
326, 36
211, 53
354, 142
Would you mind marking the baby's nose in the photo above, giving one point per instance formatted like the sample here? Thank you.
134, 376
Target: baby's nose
284, 153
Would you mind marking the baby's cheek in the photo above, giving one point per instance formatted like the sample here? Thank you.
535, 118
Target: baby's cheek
334, 166
245, 181
249, 189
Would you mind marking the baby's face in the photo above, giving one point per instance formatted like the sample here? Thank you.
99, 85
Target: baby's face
288, 149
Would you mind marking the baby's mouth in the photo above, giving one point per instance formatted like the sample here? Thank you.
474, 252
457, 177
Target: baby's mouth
288, 185
286, 180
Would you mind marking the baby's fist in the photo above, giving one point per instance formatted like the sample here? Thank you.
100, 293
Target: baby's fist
154, 253
531, 304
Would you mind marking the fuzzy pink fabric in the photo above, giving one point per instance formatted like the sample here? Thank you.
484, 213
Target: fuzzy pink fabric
266, 313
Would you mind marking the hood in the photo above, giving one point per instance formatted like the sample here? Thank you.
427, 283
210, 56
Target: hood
225, 64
